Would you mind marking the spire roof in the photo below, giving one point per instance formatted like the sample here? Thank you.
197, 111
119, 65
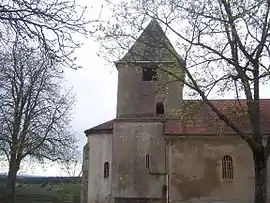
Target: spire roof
152, 45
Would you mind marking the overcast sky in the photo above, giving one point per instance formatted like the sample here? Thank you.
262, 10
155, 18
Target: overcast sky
95, 86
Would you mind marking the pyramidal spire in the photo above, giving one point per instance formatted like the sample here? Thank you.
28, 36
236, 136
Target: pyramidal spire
152, 45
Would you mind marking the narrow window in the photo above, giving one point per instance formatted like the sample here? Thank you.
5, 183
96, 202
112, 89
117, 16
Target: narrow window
149, 74
227, 167
106, 170
147, 161
159, 108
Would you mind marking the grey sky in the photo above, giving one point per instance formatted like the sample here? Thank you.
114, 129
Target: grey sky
95, 86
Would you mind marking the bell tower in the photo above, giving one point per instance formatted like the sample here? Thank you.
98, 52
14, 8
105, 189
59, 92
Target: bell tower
145, 89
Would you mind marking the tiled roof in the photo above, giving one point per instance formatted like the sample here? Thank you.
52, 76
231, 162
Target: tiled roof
200, 119
106, 127
152, 45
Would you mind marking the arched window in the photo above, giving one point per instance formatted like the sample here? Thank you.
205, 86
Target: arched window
106, 170
147, 161
227, 167
159, 108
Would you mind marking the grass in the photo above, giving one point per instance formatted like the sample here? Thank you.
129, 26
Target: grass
56, 193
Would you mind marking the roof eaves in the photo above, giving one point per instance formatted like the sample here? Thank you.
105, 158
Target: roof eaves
206, 134
98, 131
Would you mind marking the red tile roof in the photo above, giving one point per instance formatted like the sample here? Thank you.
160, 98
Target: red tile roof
198, 119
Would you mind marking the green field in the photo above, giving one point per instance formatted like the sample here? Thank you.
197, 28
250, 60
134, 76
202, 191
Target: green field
45, 192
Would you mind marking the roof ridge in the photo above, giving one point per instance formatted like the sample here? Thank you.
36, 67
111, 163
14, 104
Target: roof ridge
151, 45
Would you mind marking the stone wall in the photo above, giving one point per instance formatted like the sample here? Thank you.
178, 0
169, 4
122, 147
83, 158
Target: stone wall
196, 174
216, 201
193, 165
85, 166
135, 96
131, 142
100, 151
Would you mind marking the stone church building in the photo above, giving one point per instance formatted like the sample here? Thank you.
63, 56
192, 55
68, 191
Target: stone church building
161, 148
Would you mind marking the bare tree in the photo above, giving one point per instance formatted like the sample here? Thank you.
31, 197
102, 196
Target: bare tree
71, 164
51, 24
35, 111
225, 44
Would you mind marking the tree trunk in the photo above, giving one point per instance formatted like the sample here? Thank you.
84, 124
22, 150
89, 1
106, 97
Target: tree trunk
260, 165
11, 181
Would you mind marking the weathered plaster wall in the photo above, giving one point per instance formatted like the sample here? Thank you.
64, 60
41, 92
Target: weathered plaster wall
85, 166
195, 170
100, 151
136, 96
131, 142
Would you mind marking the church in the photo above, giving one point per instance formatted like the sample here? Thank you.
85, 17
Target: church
162, 148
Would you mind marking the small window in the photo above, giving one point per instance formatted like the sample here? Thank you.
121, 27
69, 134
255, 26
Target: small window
227, 167
149, 74
147, 161
159, 108
106, 170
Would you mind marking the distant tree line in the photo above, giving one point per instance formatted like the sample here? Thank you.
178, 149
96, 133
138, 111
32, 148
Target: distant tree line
42, 180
